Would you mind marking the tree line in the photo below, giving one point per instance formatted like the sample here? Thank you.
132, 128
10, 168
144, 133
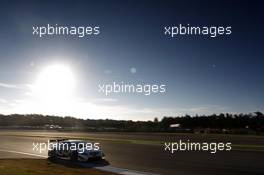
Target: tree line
186, 123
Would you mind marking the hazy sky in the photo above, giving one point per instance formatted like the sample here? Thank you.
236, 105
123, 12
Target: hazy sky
203, 75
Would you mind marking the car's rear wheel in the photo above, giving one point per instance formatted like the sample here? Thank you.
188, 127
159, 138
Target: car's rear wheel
53, 155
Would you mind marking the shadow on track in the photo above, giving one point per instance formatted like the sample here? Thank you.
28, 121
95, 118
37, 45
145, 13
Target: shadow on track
78, 164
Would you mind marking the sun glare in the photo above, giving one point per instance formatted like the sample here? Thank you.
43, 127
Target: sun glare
54, 84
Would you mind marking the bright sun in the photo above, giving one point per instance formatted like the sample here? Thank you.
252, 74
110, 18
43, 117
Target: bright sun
54, 84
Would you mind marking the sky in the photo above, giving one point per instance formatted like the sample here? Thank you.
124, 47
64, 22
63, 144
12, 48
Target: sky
203, 75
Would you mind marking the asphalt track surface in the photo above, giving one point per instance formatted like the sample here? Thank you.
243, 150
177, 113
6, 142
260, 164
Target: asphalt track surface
148, 157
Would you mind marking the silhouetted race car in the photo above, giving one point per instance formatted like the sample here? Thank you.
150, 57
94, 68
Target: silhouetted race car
75, 150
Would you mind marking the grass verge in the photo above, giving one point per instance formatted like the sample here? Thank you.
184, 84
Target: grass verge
43, 167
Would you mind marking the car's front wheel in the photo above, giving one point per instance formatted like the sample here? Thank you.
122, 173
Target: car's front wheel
74, 156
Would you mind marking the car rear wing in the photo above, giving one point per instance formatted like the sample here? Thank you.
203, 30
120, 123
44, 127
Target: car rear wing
57, 140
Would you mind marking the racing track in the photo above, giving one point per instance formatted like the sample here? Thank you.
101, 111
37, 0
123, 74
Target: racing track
146, 157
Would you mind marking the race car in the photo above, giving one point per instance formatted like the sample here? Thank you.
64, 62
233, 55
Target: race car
75, 150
